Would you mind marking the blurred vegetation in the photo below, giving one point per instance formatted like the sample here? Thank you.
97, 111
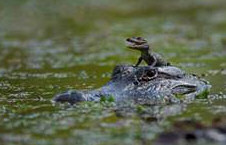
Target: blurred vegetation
50, 46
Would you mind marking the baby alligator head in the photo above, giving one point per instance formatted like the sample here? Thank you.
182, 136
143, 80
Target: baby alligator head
137, 43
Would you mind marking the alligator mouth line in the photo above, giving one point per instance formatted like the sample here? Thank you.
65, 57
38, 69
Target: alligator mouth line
184, 89
130, 44
135, 45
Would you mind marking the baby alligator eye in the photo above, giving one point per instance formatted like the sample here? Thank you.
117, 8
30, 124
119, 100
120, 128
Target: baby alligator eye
129, 40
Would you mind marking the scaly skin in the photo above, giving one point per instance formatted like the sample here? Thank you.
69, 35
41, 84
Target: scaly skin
143, 85
140, 44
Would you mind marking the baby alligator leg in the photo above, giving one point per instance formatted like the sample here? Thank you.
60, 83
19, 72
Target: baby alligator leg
139, 61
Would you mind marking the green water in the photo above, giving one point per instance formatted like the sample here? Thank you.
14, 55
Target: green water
47, 47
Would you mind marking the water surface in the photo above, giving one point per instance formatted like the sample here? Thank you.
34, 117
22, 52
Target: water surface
51, 46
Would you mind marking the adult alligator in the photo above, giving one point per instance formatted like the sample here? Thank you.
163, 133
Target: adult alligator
143, 85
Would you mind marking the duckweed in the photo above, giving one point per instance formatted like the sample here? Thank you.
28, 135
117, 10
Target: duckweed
48, 47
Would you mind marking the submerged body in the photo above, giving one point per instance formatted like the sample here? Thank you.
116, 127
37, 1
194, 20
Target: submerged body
143, 85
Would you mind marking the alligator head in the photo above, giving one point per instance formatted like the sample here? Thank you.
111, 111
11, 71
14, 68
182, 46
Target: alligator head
144, 85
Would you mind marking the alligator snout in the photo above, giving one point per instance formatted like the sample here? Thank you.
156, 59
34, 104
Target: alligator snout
69, 96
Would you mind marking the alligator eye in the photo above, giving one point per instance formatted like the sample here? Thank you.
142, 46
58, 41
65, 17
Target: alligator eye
148, 75
152, 73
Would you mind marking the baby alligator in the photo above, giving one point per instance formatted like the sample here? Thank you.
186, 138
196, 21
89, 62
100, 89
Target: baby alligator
152, 59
